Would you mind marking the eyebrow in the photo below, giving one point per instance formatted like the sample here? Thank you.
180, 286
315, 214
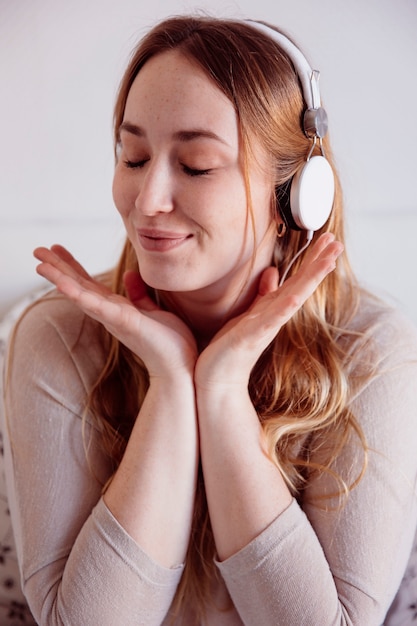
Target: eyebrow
181, 135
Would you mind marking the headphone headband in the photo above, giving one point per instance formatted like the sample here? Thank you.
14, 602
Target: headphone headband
312, 187
315, 117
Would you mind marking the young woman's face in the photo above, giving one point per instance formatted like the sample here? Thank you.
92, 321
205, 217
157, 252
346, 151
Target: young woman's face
179, 183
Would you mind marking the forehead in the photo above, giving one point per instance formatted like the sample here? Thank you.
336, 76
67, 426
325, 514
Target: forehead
172, 90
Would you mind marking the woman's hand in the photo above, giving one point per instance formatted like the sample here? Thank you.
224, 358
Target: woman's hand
244, 487
152, 491
234, 350
159, 338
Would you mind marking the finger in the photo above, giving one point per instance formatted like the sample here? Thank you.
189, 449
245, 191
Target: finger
114, 312
63, 260
325, 261
268, 281
54, 268
320, 262
302, 285
137, 291
48, 271
299, 287
318, 246
267, 316
68, 258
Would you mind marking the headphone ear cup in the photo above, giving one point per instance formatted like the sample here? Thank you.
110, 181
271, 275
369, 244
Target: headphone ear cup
312, 194
283, 201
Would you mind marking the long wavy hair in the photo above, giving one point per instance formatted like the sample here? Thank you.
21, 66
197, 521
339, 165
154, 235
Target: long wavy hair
302, 385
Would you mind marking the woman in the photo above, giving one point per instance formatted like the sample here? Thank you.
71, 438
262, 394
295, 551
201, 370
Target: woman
200, 441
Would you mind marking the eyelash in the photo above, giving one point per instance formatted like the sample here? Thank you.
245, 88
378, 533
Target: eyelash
188, 170
134, 164
193, 172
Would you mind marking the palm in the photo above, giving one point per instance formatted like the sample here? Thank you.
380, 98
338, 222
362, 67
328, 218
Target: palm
159, 338
235, 349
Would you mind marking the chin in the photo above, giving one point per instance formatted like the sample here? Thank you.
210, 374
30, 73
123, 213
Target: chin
168, 284
169, 278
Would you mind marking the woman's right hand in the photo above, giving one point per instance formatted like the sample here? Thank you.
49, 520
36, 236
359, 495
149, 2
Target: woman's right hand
152, 492
163, 341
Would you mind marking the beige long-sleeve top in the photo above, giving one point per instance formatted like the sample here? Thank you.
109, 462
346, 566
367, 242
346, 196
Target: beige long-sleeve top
79, 566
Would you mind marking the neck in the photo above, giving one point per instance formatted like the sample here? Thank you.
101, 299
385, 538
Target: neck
206, 311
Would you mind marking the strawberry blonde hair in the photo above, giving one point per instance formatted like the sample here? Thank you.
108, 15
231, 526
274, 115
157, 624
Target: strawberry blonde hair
302, 385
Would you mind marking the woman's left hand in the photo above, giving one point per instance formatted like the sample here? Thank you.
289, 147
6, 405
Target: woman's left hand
234, 350
159, 338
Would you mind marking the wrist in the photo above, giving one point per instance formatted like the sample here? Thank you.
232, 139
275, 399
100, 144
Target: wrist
221, 404
221, 375
172, 382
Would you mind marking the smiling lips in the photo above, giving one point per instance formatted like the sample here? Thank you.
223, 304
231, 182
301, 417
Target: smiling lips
160, 241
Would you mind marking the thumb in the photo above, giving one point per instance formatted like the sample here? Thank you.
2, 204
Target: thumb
268, 282
137, 291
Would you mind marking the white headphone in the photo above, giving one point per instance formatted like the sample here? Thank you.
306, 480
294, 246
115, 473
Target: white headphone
312, 188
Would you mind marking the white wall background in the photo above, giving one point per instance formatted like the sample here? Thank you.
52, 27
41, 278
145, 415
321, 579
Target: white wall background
60, 63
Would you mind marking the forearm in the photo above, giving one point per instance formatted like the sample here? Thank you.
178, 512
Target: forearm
108, 579
270, 556
152, 492
245, 489
79, 566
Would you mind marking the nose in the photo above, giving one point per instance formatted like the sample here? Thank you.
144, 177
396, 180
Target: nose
155, 193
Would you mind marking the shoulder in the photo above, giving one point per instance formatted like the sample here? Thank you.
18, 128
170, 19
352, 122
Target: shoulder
54, 315
387, 335
53, 337
383, 378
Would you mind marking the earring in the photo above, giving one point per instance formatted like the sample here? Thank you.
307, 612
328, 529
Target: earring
281, 229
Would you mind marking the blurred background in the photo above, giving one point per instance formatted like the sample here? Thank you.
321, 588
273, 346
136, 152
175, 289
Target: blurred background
60, 64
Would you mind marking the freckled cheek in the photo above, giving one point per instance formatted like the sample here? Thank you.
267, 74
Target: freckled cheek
123, 194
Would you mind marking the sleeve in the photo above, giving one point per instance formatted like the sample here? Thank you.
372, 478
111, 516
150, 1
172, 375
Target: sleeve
78, 565
336, 565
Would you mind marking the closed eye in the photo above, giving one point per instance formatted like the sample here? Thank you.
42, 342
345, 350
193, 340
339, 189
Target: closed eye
194, 172
135, 164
